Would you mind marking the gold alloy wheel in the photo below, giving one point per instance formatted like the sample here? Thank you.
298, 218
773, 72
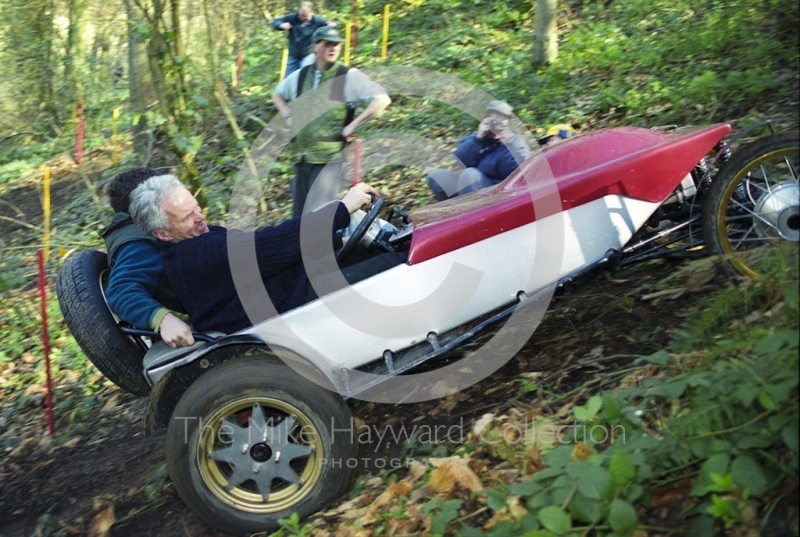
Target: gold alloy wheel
259, 454
760, 207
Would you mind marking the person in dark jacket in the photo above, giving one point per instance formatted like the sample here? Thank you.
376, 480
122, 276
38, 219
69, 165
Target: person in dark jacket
299, 28
136, 279
197, 257
488, 156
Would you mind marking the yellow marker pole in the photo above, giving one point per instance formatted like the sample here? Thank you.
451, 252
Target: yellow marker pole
284, 61
348, 29
233, 75
46, 211
385, 45
114, 131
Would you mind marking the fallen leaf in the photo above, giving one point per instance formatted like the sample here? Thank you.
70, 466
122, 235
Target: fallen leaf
442, 479
110, 404
101, 522
397, 490
479, 426
457, 468
72, 442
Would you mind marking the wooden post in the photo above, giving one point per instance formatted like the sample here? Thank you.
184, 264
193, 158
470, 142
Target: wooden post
284, 62
385, 44
347, 30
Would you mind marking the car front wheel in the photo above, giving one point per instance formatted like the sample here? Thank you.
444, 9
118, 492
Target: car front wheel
251, 442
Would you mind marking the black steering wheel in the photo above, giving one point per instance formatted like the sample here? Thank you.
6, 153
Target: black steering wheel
361, 230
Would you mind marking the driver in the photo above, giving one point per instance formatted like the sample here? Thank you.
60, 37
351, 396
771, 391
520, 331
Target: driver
197, 262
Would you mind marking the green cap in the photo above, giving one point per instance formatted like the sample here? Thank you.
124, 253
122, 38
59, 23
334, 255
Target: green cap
327, 33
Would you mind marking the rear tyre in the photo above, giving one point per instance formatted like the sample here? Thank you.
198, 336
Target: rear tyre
251, 442
80, 295
753, 203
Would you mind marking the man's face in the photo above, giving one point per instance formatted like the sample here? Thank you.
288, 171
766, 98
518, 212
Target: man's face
327, 52
184, 218
305, 14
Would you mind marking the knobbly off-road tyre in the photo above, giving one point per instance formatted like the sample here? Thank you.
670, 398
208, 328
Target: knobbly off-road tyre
252, 394
80, 295
753, 203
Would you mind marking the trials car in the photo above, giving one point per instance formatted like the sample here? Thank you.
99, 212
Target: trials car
258, 423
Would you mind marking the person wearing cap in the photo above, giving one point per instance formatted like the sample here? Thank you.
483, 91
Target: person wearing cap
326, 118
488, 156
299, 28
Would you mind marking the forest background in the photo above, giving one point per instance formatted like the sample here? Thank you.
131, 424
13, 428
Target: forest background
168, 71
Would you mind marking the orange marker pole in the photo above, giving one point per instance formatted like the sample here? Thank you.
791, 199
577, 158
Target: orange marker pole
347, 30
385, 43
46, 212
357, 163
239, 66
284, 62
79, 135
114, 131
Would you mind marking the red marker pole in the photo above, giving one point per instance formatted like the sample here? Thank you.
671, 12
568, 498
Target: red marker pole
79, 135
357, 163
46, 344
239, 64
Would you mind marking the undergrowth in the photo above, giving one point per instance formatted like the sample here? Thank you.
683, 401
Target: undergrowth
717, 417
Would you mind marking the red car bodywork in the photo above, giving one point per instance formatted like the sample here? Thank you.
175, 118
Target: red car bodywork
633, 162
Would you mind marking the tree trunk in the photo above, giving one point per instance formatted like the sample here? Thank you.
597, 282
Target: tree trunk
73, 47
545, 35
139, 86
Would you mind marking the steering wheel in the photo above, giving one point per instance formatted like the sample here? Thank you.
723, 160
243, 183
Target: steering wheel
361, 230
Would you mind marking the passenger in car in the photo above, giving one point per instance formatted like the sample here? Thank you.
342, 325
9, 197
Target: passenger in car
137, 285
489, 155
197, 259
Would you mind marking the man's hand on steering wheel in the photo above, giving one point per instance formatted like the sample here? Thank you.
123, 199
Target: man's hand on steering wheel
358, 197
361, 195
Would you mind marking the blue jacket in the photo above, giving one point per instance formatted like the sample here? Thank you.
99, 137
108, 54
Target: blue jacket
299, 35
491, 156
134, 280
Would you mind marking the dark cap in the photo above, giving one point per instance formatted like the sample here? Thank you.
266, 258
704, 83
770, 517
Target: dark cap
327, 33
501, 107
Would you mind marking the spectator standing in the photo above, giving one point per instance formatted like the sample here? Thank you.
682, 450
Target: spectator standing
299, 28
328, 117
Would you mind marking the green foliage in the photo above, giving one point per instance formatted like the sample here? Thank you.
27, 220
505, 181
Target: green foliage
729, 419
292, 527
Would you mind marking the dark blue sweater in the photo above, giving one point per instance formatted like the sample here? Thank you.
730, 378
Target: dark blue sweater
199, 270
299, 35
493, 158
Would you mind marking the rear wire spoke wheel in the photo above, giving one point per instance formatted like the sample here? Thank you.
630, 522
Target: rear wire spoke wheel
252, 442
754, 203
